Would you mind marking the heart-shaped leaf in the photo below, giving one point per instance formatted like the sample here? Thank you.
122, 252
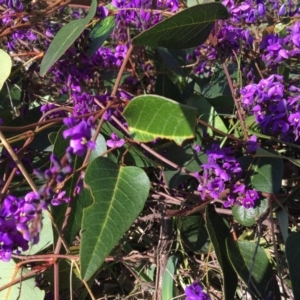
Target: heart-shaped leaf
188, 28
150, 117
119, 195
65, 38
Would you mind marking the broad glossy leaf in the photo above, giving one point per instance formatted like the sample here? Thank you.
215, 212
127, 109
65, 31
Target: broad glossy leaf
218, 231
194, 234
252, 265
65, 38
27, 290
248, 216
119, 195
150, 117
5, 67
100, 33
292, 249
188, 28
81, 201
265, 173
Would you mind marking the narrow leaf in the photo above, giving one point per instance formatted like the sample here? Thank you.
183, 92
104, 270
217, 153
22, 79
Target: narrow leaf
119, 194
252, 264
65, 38
100, 33
188, 28
150, 117
168, 278
5, 67
218, 231
293, 258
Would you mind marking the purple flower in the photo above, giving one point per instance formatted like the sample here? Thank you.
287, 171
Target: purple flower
195, 292
251, 145
60, 198
80, 136
115, 141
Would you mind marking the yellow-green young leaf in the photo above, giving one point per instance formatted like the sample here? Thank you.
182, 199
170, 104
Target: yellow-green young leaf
25, 290
188, 28
5, 67
65, 38
150, 117
119, 194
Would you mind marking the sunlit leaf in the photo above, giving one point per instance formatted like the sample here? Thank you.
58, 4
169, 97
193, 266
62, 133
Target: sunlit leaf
26, 290
100, 33
65, 38
119, 194
252, 265
150, 117
188, 28
5, 67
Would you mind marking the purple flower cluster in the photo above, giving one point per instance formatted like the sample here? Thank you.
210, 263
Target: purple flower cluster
195, 292
223, 171
20, 217
138, 13
80, 135
274, 106
234, 34
276, 49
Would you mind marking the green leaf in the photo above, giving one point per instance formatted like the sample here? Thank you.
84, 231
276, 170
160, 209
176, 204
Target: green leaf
188, 28
119, 194
150, 117
218, 231
5, 67
265, 173
81, 201
253, 267
26, 290
207, 113
100, 33
191, 3
164, 86
248, 216
292, 249
130, 155
168, 278
194, 234
65, 38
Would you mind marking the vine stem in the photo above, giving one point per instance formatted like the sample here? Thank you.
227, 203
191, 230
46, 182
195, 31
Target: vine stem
118, 80
18, 162
237, 104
